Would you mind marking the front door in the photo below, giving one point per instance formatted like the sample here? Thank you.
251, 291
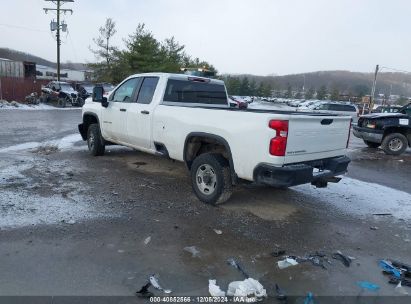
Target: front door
139, 114
114, 124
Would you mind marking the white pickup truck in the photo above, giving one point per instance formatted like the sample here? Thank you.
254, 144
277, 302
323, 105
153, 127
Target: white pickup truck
189, 119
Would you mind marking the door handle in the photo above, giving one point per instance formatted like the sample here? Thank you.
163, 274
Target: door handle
145, 112
123, 110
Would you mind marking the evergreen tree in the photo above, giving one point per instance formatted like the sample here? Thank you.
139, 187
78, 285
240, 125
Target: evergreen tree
267, 90
252, 88
245, 87
233, 85
335, 94
322, 93
289, 93
310, 94
261, 90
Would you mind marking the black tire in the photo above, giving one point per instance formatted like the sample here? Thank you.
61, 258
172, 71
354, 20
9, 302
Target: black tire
80, 102
371, 144
215, 167
95, 141
394, 144
61, 102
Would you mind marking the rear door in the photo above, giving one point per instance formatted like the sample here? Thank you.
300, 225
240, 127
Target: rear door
140, 114
316, 137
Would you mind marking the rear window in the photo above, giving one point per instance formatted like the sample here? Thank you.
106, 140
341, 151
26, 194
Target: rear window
342, 107
195, 92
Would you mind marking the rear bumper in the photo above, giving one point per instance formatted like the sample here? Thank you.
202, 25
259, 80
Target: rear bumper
302, 173
368, 134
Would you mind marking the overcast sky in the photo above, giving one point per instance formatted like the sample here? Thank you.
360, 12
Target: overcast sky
237, 36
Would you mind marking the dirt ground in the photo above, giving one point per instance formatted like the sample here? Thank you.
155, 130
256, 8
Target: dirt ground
76, 225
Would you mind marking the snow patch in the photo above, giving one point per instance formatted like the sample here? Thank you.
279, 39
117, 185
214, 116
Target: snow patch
62, 144
360, 198
14, 105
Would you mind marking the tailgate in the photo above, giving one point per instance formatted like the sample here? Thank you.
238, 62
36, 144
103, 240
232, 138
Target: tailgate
316, 137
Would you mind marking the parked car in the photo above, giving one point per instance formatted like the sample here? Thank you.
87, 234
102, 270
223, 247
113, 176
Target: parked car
61, 93
386, 109
391, 131
189, 119
338, 108
85, 90
236, 102
107, 87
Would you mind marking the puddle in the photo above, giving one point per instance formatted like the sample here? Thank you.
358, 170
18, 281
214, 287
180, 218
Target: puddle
266, 203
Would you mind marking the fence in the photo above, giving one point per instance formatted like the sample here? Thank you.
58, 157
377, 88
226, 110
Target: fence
17, 89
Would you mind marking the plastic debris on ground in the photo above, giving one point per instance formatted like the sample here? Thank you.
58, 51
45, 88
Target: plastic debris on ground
401, 290
147, 240
389, 268
214, 289
346, 260
193, 250
400, 273
143, 292
219, 232
237, 265
309, 299
368, 286
247, 288
287, 262
154, 282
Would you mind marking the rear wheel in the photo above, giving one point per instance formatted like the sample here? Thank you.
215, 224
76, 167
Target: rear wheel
394, 144
95, 141
62, 102
371, 144
211, 178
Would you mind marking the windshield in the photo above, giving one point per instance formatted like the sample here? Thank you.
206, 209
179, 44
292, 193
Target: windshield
89, 88
66, 87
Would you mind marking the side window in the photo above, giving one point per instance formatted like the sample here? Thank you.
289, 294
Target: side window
323, 107
198, 92
125, 92
349, 108
147, 90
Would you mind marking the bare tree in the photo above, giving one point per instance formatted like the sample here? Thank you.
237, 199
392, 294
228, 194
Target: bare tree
104, 50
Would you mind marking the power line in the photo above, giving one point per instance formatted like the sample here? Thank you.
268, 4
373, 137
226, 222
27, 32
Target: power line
22, 28
397, 70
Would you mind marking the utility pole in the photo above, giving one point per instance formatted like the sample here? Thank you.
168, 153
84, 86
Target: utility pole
371, 105
56, 26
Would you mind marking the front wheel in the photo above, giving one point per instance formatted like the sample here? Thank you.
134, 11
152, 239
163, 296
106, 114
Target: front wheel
62, 102
394, 144
95, 141
211, 178
371, 144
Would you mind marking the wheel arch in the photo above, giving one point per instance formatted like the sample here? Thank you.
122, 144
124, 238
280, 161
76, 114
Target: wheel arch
206, 138
88, 119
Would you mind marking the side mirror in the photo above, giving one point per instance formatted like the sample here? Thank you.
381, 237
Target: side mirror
98, 96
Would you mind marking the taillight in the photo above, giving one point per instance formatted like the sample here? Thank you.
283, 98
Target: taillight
349, 134
278, 145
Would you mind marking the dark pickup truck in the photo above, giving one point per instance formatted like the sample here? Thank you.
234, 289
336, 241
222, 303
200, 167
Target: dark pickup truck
391, 131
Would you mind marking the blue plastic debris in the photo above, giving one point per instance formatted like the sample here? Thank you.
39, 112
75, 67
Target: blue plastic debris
309, 299
388, 267
368, 286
